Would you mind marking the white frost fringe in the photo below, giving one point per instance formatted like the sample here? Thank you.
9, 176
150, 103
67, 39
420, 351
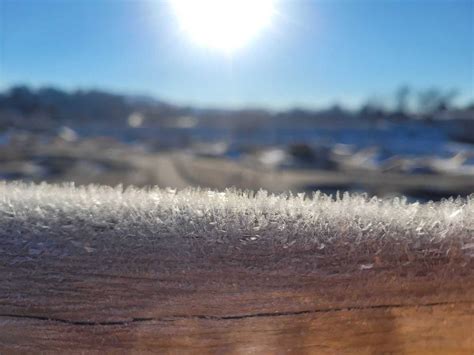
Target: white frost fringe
318, 221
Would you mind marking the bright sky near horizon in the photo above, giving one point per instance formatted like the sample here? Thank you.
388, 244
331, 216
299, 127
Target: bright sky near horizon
312, 53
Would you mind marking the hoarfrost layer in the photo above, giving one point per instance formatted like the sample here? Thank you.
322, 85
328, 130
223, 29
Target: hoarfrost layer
349, 225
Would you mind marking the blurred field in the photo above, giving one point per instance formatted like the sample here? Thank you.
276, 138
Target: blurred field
97, 137
106, 161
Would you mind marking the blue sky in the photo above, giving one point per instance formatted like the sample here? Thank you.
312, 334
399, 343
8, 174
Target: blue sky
315, 53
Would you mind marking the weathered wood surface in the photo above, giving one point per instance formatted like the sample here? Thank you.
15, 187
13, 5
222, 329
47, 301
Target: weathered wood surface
260, 302
418, 330
105, 270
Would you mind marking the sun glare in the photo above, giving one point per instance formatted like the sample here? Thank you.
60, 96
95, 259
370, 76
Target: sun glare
225, 25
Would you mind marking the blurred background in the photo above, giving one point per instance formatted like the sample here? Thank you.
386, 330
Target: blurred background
371, 96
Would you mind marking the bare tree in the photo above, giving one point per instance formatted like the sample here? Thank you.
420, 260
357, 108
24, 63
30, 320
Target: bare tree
402, 96
433, 100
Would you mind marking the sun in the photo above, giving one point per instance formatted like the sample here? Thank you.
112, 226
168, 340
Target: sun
225, 25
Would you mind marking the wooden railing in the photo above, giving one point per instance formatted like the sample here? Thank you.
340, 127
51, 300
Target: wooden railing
79, 286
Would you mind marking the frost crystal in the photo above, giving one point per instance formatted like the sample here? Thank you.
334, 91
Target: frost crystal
367, 232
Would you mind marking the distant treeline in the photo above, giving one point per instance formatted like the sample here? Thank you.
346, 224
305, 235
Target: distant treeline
55, 105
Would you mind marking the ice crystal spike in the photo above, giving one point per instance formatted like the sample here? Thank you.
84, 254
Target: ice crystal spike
357, 227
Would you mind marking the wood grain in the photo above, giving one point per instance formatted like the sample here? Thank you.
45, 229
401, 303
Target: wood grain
228, 301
